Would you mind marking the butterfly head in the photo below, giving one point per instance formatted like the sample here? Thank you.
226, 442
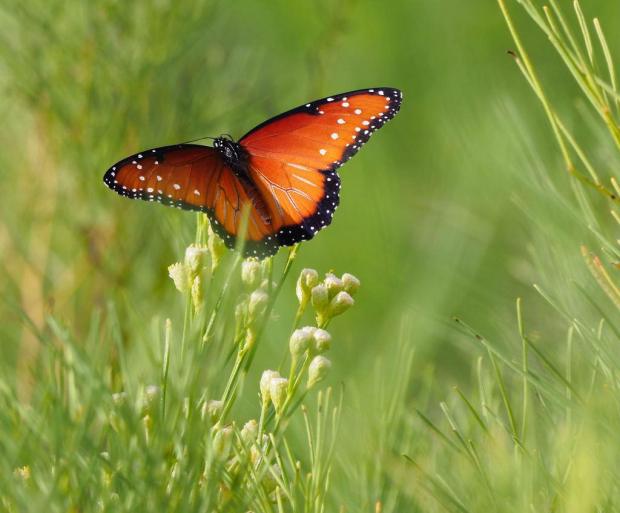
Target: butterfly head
232, 152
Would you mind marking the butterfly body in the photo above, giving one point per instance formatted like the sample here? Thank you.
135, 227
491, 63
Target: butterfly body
284, 170
233, 154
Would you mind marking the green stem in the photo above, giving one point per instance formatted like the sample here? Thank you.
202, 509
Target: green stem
261, 421
220, 300
186, 321
245, 354
289, 263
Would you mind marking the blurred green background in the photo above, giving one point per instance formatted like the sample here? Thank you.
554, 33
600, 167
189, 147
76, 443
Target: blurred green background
441, 214
428, 219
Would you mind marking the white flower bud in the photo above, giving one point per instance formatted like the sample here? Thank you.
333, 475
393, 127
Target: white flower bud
222, 443
250, 339
265, 285
265, 383
150, 396
212, 410
119, 398
300, 341
278, 389
258, 303
340, 304
309, 330
249, 431
22, 472
217, 248
147, 422
256, 456
241, 309
320, 297
308, 278
197, 293
178, 273
333, 284
318, 370
322, 341
250, 273
195, 257
351, 283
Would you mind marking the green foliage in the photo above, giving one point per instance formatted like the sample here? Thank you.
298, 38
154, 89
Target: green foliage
174, 443
539, 431
216, 390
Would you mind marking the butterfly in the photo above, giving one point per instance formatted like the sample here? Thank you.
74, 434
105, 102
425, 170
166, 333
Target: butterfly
284, 171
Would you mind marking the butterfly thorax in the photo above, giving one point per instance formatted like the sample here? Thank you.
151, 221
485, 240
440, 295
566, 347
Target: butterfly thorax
235, 156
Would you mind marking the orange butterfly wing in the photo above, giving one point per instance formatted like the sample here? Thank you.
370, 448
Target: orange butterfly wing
294, 156
195, 177
289, 179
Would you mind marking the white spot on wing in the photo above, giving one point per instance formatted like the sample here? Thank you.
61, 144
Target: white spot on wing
299, 166
334, 136
176, 186
322, 151
304, 180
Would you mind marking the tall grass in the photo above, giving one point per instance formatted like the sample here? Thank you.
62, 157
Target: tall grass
540, 431
92, 437
131, 384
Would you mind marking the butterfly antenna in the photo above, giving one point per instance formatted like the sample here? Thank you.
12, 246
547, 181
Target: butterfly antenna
199, 139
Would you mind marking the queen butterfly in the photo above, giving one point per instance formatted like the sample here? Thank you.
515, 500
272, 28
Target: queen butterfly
284, 169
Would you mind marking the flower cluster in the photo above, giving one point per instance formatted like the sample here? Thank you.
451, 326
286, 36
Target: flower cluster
329, 298
252, 448
187, 275
307, 345
253, 303
274, 389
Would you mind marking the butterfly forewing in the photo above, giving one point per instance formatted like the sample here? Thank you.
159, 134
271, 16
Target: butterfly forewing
327, 131
170, 174
195, 177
